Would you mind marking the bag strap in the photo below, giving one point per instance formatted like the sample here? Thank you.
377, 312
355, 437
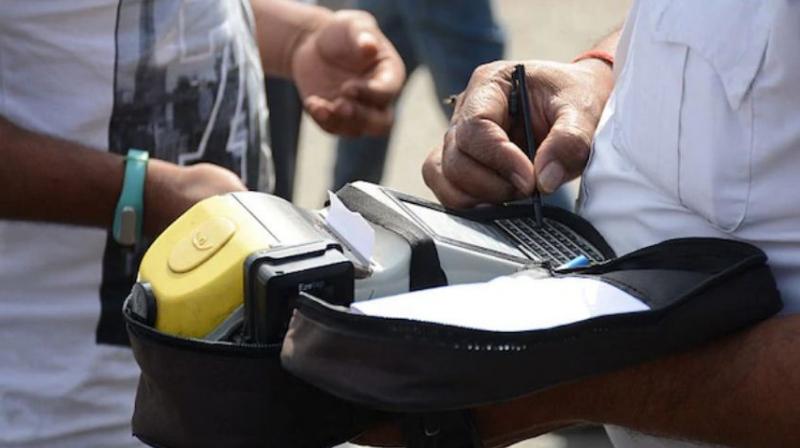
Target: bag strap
425, 269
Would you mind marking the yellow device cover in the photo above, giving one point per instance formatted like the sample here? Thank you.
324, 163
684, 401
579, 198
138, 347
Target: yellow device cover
196, 266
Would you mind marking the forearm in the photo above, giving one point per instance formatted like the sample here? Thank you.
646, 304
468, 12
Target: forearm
741, 392
610, 42
47, 179
281, 26
53, 180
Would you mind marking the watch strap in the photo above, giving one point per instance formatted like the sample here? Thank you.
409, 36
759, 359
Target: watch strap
129, 214
602, 55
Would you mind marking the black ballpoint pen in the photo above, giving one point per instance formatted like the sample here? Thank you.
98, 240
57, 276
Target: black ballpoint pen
519, 102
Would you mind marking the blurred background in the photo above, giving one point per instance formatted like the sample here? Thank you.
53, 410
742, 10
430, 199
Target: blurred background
534, 29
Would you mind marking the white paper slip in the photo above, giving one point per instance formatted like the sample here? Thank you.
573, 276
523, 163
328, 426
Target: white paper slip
351, 227
516, 303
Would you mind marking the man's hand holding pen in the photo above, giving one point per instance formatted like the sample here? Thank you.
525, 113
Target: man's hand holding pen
483, 157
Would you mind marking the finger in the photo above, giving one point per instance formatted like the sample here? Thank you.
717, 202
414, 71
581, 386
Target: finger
360, 119
353, 120
447, 193
320, 110
486, 95
365, 42
343, 117
330, 116
482, 120
488, 144
478, 181
563, 154
473, 178
380, 86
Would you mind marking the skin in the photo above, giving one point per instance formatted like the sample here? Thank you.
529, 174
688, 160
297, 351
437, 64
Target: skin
83, 186
480, 162
740, 391
345, 68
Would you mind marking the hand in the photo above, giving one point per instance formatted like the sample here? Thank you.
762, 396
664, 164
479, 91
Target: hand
479, 162
170, 190
348, 75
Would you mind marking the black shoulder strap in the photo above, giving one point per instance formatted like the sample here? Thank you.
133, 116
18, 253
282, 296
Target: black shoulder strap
425, 270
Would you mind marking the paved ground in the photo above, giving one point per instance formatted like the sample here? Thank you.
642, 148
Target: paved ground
537, 29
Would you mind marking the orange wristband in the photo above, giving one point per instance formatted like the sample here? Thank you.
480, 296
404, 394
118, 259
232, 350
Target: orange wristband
604, 56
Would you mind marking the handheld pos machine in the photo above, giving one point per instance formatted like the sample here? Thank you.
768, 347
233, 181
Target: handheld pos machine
232, 265
245, 330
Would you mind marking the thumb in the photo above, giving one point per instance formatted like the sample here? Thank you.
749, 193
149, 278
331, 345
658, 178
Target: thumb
563, 153
365, 43
350, 41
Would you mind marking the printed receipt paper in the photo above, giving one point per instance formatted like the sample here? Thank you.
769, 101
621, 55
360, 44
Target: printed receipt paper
352, 228
516, 303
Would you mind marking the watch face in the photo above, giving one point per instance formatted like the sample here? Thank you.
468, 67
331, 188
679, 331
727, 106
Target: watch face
127, 227
126, 233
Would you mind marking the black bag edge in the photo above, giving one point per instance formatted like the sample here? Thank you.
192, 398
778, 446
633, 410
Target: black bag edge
164, 417
646, 334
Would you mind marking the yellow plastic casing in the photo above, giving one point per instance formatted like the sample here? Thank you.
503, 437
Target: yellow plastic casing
196, 266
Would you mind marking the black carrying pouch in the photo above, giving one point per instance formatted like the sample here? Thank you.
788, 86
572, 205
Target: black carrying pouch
338, 373
697, 289
197, 393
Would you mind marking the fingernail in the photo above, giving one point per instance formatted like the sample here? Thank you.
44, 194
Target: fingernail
551, 177
520, 183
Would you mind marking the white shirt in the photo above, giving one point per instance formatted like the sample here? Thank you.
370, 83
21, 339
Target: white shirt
701, 136
181, 79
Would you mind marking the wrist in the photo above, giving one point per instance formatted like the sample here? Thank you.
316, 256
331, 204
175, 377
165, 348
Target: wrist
596, 54
173, 189
600, 81
601, 64
315, 20
602, 72
281, 28
161, 196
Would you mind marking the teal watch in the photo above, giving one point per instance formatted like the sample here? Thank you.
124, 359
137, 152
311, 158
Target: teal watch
127, 228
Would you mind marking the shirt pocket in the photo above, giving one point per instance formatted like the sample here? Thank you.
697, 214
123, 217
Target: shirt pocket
696, 134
